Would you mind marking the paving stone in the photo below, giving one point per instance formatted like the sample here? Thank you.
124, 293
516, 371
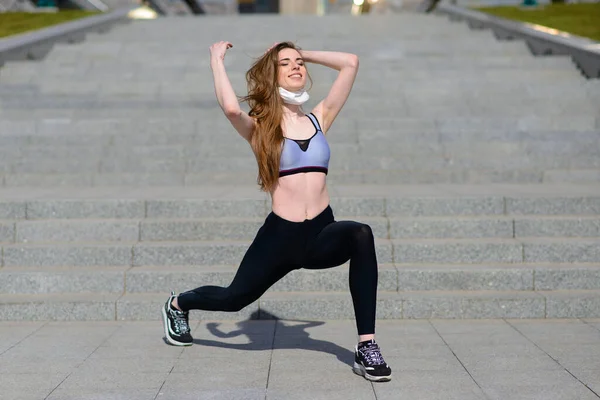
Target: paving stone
13, 384
511, 357
431, 385
535, 385
364, 392
16, 333
225, 394
589, 378
112, 382
553, 334
93, 393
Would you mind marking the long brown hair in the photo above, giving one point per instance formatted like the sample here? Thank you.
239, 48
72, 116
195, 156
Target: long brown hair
266, 106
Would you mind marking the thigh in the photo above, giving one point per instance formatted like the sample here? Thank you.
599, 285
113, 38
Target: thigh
266, 261
332, 246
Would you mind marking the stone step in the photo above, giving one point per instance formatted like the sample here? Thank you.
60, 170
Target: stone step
189, 108
424, 159
399, 251
58, 65
371, 155
342, 147
248, 202
176, 89
186, 92
362, 102
58, 132
315, 305
120, 41
132, 280
345, 139
143, 106
194, 64
583, 174
186, 109
572, 175
183, 230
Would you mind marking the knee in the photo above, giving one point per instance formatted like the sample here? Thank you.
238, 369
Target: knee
363, 234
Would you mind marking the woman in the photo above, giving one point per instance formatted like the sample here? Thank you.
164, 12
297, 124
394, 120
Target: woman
300, 232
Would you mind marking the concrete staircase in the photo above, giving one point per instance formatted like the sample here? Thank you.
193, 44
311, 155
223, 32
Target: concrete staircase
476, 164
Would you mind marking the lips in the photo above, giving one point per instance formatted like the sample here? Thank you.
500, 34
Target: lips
296, 75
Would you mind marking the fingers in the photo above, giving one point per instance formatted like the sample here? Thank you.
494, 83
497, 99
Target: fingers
225, 44
271, 48
218, 49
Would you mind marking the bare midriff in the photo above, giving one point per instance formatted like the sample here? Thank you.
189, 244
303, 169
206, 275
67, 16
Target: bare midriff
300, 196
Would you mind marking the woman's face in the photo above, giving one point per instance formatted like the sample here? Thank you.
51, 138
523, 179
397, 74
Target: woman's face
291, 70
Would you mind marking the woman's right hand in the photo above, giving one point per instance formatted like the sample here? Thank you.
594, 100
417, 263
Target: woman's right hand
218, 50
270, 48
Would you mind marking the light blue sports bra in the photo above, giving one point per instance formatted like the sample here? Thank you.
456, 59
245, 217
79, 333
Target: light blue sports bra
309, 155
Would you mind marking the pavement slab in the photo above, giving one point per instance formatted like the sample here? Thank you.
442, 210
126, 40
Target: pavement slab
288, 359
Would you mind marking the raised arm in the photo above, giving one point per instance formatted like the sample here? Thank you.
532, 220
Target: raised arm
347, 64
226, 97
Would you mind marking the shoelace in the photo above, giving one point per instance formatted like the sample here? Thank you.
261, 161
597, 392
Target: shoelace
373, 354
181, 325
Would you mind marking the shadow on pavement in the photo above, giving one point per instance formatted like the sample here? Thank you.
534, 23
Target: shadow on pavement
288, 337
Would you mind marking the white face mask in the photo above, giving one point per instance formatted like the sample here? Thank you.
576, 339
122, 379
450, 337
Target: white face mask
295, 98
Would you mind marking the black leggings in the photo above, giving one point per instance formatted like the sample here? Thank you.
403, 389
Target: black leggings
281, 246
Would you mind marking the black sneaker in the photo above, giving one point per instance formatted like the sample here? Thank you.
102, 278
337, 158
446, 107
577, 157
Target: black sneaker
176, 323
369, 362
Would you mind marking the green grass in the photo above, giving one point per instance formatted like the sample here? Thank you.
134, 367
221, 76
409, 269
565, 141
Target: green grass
582, 19
13, 23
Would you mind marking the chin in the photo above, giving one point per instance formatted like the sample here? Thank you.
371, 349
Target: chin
296, 89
